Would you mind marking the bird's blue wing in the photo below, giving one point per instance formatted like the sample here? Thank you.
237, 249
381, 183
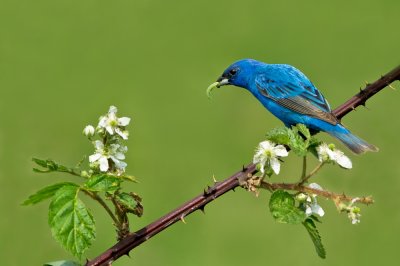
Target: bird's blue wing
290, 88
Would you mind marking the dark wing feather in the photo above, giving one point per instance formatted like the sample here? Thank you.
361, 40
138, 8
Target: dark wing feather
298, 94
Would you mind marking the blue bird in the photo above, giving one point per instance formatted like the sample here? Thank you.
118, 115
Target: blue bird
289, 95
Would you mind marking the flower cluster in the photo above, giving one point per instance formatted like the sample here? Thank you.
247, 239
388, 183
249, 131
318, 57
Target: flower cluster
353, 212
328, 153
267, 157
109, 149
309, 202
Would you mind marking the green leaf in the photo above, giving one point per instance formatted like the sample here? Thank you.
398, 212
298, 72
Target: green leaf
303, 130
279, 135
45, 193
130, 202
283, 209
297, 143
315, 237
103, 183
62, 263
129, 178
70, 221
50, 166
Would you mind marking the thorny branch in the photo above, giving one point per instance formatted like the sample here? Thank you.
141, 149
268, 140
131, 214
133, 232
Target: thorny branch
124, 246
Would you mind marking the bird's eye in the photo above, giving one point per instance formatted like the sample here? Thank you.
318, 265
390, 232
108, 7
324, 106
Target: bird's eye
233, 71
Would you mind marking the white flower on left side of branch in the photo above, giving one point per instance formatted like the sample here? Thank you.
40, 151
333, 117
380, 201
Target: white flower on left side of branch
328, 153
99, 156
115, 152
112, 124
268, 154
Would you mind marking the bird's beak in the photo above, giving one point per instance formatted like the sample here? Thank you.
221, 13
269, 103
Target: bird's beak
220, 82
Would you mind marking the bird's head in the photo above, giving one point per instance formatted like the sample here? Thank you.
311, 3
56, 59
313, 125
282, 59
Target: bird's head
237, 74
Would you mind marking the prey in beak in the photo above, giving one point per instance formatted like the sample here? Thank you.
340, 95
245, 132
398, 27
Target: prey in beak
220, 82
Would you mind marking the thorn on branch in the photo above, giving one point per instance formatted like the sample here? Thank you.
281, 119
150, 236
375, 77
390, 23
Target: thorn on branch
215, 180
202, 209
183, 218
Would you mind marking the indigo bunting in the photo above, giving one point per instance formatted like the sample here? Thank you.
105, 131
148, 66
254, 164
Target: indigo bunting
289, 95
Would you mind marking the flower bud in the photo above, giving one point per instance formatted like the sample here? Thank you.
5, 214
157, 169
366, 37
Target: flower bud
301, 197
89, 131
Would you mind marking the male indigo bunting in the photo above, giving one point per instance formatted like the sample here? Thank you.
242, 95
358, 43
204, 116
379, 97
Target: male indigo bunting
289, 95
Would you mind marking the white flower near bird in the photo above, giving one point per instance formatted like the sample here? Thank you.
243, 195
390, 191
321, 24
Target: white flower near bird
267, 156
328, 153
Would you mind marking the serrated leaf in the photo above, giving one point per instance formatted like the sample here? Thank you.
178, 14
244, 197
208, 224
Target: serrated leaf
62, 263
279, 135
283, 209
131, 202
297, 143
103, 183
45, 193
315, 237
70, 221
303, 130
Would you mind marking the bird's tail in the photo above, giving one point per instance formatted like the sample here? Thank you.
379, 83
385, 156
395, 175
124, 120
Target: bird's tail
354, 143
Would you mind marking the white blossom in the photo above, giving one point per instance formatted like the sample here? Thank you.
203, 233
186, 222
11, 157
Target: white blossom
327, 153
112, 124
310, 203
100, 156
115, 152
267, 154
89, 131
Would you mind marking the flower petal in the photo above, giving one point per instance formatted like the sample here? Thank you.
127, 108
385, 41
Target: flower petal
110, 129
119, 155
343, 160
308, 211
275, 165
123, 121
102, 122
281, 151
121, 133
94, 157
98, 145
315, 186
317, 210
266, 145
322, 151
112, 109
103, 163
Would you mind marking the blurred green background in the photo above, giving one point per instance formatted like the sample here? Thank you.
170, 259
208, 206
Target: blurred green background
63, 63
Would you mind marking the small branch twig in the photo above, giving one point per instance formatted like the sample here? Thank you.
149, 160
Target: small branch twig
313, 172
104, 205
198, 203
323, 193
